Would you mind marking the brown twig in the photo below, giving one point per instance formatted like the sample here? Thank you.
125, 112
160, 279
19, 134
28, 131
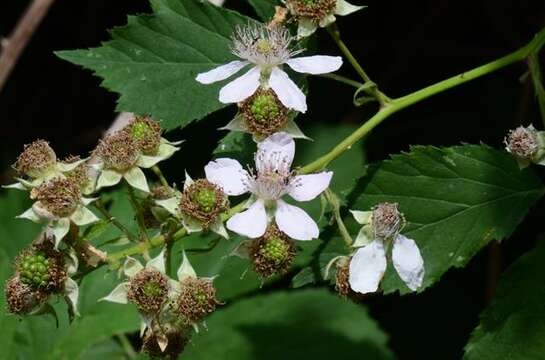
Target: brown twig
13, 46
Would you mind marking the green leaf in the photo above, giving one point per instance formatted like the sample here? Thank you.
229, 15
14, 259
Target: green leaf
152, 62
455, 200
290, 325
264, 8
513, 326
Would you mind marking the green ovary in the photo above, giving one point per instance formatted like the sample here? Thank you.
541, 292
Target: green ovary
275, 250
206, 198
152, 289
34, 270
140, 130
264, 108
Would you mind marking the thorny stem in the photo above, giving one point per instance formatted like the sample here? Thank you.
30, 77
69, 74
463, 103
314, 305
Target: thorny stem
333, 200
394, 106
100, 207
160, 175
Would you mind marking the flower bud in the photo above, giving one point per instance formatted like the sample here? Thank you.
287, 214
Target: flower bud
197, 299
176, 340
59, 197
263, 113
36, 160
387, 220
272, 253
146, 133
21, 298
148, 290
118, 151
522, 142
314, 10
42, 267
203, 201
341, 277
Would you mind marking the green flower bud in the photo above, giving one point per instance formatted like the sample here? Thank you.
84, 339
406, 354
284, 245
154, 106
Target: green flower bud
263, 113
118, 151
203, 201
42, 268
146, 132
60, 197
197, 299
272, 253
36, 160
148, 290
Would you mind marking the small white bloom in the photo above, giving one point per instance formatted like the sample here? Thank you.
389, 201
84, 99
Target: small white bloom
271, 180
267, 50
368, 264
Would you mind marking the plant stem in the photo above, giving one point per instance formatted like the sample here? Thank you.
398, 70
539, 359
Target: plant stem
537, 80
125, 343
342, 79
160, 175
100, 207
140, 220
334, 202
400, 103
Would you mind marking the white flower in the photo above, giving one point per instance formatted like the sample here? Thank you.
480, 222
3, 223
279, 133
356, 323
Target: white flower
368, 264
267, 50
268, 184
318, 13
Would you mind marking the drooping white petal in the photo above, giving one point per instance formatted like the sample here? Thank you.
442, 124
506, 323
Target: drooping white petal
275, 153
251, 223
30, 214
131, 266
136, 178
219, 228
287, 91
367, 267
108, 178
306, 28
83, 216
60, 228
241, 88
221, 72
317, 64
307, 187
345, 8
170, 204
408, 262
228, 174
118, 294
362, 217
185, 270
295, 222
71, 290
158, 262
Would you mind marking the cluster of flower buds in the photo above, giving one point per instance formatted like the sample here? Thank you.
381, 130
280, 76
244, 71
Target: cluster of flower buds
527, 145
168, 307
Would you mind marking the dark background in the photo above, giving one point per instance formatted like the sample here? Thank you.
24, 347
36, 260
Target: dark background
403, 46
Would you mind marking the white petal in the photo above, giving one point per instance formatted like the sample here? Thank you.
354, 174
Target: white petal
71, 290
367, 267
317, 64
136, 178
365, 236
108, 178
185, 270
241, 88
275, 153
306, 28
221, 72
83, 216
295, 222
60, 228
362, 217
170, 204
158, 262
287, 91
228, 174
345, 8
408, 262
118, 294
251, 223
131, 266
307, 187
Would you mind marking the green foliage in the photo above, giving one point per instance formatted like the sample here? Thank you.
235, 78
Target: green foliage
288, 325
513, 326
264, 8
455, 200
152, 62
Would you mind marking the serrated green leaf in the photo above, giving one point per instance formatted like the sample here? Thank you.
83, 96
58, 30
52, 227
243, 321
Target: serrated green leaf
290, 325
152, 62
455, 200
513, 326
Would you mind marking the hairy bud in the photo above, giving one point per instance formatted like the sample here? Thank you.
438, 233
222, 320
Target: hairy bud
22, 298
522, 142
315, 10
263, 113
203, 201
341, 276
272, 253
118, 151
197, 299
387, 220
36, 159
176, 341
59, 196
146, 133
148, 290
